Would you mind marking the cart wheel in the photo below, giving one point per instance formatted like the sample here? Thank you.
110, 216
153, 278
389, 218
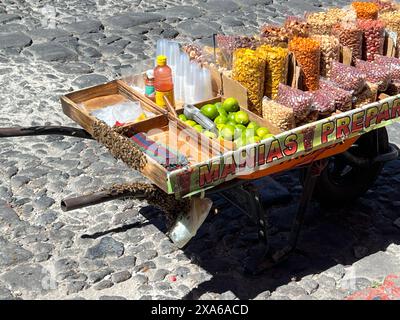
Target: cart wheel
342, 181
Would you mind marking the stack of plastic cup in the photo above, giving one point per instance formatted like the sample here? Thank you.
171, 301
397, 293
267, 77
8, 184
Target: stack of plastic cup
179, 79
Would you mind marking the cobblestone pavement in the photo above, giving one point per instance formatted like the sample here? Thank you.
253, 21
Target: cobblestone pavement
118, 250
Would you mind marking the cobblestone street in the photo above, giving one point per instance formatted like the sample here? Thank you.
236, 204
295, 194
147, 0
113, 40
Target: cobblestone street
119, 250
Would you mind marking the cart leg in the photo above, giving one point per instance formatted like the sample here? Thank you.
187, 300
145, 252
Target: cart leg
269, 260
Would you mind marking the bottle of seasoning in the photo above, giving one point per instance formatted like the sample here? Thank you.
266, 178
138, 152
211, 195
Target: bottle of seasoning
149, 85
163, 82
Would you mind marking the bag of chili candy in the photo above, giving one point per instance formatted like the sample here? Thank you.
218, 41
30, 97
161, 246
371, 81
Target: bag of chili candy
377, 74
347, 77
324, 102
300, 101
391, 63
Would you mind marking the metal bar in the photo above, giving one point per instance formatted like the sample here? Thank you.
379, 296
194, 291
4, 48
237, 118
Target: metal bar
44, 130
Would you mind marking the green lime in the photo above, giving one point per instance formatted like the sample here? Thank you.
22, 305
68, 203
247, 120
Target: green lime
239, 130
198, 128
231, 116
253, 139
191, 123
220, 126
218, 104
269, 135
250, 132
182, 117
221, 119
228, 132
230, 105
242, 117
221, 110
262, 131
210, 111
240, 142
232, 123
210, 134
253, 124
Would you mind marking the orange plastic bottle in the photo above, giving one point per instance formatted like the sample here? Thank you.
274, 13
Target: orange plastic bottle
163, 83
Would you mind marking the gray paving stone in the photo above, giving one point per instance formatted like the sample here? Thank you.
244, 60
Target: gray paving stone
81, 27
51, 51
89, 80
12, 254
121, 276
4, 17
127, 262
107, 247
196, 30
15, 40
105, 284
129, 20
74, 68
47, 34
182, 12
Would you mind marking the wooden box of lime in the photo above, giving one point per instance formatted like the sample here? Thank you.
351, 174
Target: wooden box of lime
236, 126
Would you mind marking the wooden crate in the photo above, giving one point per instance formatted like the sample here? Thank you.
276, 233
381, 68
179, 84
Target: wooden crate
78, 104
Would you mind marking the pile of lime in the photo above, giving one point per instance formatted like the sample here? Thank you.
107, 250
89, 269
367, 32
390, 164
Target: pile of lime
233, 124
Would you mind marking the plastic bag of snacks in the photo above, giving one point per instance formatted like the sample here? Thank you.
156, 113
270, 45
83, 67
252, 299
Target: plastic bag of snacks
385, 5
393, 88
347, 77
324, 102
343, 99
377, 74
276, 59
296, 27
274, 36
249, 70
366, 10
351, 36
374, 38
228, 44
307, 53
366, 96
300, 101
321, 22
393, 64
330, 51
391, 20
278, 115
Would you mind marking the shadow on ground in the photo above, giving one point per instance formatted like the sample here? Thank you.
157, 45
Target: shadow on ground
329, 237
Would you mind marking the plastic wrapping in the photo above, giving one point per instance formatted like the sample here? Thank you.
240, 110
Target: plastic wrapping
277, 114
391, 20
228, 44
366, 10
366, 96
296, 27
342, 99
298, 100
373, 38
274, 36
324, 102
347, 77
321, 23
307, 53
391, 63
377, 74
275, 68
351, 36
385, 5
249, 70
330, 51
393, 88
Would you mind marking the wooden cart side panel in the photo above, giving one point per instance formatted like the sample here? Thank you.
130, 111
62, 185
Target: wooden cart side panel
75, 113
93, 92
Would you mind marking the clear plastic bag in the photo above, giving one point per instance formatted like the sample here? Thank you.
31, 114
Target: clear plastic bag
377, 74
279, 115
300, 101
249, 70
308, 54
296, 27
366, 96
330, 51
393, 64
275, 36
342, 99
347, 77
276, 59
373, 38
391, 20
321, 23
365, 10
351, 36
324, 102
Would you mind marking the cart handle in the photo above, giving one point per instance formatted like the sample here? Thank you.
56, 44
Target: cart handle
44, 130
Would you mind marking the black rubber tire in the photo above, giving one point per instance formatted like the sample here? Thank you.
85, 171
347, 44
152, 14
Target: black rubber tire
342, 182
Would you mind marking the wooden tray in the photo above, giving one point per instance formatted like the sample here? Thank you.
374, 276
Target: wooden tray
78, 105
224, 145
